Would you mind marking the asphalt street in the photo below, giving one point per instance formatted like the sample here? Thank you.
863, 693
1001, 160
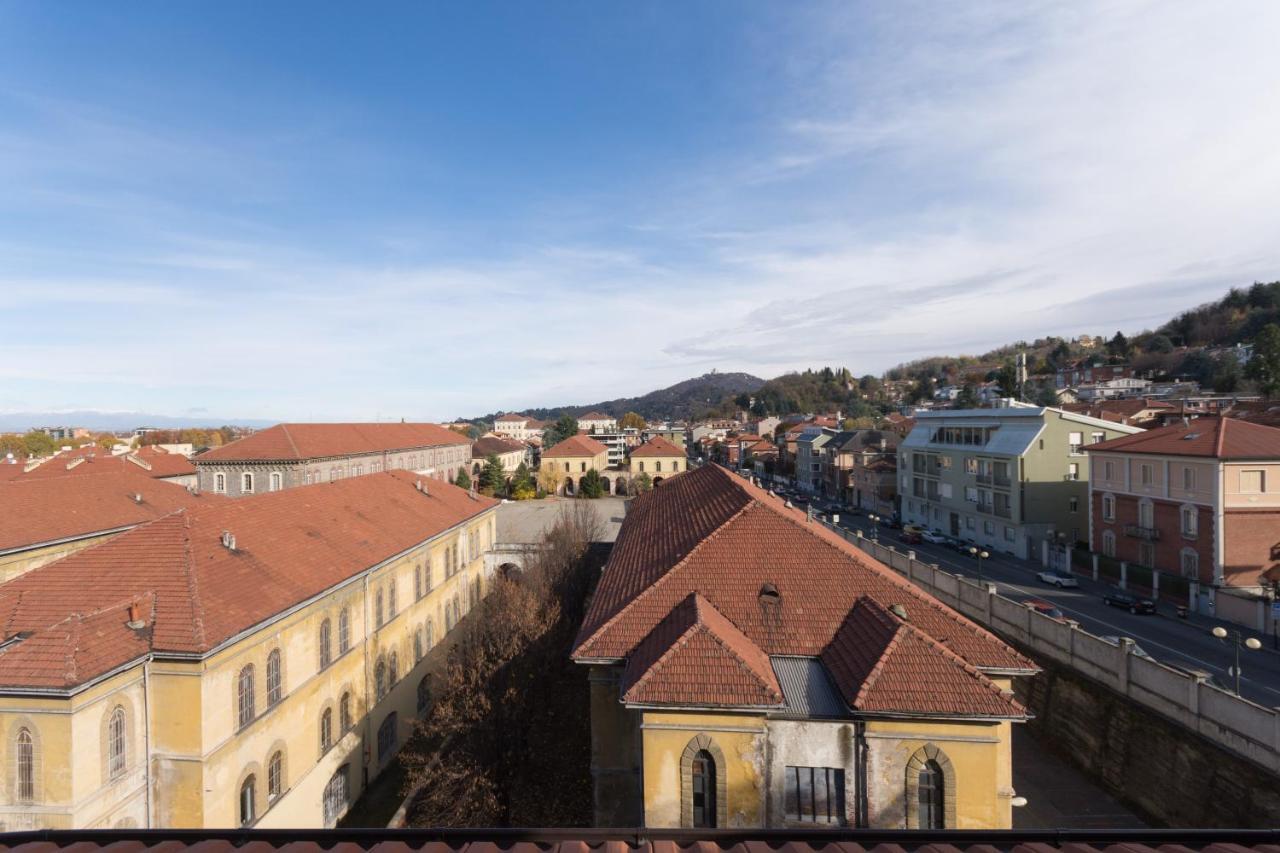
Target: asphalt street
1184, 642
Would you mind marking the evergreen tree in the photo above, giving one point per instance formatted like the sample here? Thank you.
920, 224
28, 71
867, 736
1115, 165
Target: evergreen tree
967, 399
1264, 365
463, 480
492, 478
591, 486
1007, 378
522, 485
559, 431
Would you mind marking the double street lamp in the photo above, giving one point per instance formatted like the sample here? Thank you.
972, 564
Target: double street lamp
979, 555
875, 527
1238, 640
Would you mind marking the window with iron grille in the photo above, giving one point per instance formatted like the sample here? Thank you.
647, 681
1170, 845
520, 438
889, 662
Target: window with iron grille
326, 730
116, 744
326, 647
344, 631
815, 794
387, 737
275, 689
244, 696
344, 712
275, 775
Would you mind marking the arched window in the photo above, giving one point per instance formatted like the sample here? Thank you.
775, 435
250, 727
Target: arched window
344, 712
657, 464
277, 482
380, 679
393, 669
417, 645
387, 737
25, 767
275, 689
246, 482
244, 696
275, 775
377, 608
704, 790
326, 730
117, 757
335, 796
702, 784
431, 633
931, 793
424, 693
417, 582
344, 631
931, 790
219, 482
326, 647
391, 599
248, 793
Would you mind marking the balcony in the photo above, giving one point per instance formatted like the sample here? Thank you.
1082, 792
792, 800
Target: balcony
984, 479
1137, 531
1071, 478
1000, 482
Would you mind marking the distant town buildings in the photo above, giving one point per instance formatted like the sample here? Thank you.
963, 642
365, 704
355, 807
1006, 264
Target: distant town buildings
597, 422
519, 427
288, 455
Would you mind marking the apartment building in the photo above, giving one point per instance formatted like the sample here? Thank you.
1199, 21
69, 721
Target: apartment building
751, 669
811, 451
848, 474
242, 663
289, 455
1014, 478
593, 422
1199, 499
519, 427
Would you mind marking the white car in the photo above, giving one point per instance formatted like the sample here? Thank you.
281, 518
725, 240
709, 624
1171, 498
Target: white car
934, 537
1057, 580
1137, 650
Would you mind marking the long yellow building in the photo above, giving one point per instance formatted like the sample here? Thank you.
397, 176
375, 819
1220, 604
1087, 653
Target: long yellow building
752, 669
246, 663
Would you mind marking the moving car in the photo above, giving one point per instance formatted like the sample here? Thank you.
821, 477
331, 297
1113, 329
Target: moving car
1046, 608
1138, 650
1058, 580
933, 537
1116, 597
910, 537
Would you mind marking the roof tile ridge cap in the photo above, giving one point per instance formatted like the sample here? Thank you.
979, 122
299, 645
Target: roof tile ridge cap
70, 673
681, 640
683, 561
873, 676
775, 692
969, 668
1221, 441
907, 586
193, 587
285, 429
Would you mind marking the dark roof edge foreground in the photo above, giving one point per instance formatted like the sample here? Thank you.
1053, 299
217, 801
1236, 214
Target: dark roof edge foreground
640, 837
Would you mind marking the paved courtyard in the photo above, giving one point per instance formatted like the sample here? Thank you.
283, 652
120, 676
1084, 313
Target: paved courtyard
1058, 795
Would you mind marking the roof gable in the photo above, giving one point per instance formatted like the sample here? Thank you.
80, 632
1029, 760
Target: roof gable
575, 445
657, 446
1209, 437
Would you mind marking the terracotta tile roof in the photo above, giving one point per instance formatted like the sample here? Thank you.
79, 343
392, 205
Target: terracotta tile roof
881, 663
695, 656
319, 441
47, 509
575, 445
712, 533
657, 446
1212, 437
152, 461
290, 546
511, 419
596, 416
496, 444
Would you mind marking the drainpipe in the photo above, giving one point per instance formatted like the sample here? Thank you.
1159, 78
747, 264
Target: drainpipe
146, 739
860, 771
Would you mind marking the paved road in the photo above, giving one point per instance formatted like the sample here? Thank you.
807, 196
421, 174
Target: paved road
1058, 795
1166, 637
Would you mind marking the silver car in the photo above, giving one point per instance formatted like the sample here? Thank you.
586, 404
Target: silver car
1058, 580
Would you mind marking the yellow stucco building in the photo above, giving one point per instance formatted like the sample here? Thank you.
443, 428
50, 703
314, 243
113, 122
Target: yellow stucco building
658, 458
563, 466
750, 669
253, 662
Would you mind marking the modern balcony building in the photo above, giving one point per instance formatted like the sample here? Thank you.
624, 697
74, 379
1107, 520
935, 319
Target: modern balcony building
1013, 478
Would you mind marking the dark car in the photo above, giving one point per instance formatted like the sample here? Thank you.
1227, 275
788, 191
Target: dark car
1132, 603
909, 537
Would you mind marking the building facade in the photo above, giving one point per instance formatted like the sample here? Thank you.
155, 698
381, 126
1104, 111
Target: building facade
1199, 499
659, 459
750, 669
519, 427
597, 422
510, 453
288, 455
812, 459
856, 472
253, 663
1013, 479
563, 466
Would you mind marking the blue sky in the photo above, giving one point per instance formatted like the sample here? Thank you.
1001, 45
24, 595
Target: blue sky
316, 211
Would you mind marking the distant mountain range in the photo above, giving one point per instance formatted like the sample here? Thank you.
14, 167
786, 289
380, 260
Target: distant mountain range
691, 398
114, 421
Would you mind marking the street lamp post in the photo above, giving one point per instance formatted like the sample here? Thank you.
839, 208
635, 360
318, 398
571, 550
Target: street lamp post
979, 555
1238, 640
875, 527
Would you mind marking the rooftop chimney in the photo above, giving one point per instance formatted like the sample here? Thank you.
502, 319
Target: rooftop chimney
228, 540
135, 617
137, 497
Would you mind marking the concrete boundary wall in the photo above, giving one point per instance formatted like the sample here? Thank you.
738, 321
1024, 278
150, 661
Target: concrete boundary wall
1244, 728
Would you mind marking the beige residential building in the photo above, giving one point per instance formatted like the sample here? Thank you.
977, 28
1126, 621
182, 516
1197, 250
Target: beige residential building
659, 459
519, 427
564, 465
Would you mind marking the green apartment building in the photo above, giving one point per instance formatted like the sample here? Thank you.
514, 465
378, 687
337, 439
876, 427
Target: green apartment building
1013, 479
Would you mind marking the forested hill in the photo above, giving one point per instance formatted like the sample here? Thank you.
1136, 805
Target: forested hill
692, 398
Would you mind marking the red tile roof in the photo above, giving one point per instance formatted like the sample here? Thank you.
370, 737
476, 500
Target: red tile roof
47, 509
714, 534
320, 441
290, 546
695, 656
657, 446
575, 445
1212, 437
511, 419
496, 444
152, 461
596, 416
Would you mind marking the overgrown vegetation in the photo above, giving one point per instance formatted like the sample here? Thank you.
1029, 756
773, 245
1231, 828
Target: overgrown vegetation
507, 740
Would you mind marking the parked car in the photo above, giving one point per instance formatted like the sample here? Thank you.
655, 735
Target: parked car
1046, 608
1206, 675
1057, 579
933, 537
1116, 597
909, 537
1138, 650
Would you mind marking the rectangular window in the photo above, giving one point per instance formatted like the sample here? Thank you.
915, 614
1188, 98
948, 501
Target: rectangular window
1146, 473
1189, 518
944, 490
1073, 505
988, 527
1009, 534
1108, 508
815, 795
1108, 471
1074, 442
1098, 437
1189, 478
1190, 563
971, 494
1073, 471
1146, 554
1253, 482
969, 522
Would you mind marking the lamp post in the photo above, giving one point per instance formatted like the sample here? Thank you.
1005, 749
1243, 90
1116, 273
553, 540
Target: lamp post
1238, 640
875, 527
979, 555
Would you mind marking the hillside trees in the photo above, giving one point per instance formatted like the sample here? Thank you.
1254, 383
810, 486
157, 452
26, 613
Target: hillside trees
1264, 365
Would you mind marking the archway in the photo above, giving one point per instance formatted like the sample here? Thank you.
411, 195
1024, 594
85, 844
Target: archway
568, 487
930, 790
703, 784
656, 481
608, 486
